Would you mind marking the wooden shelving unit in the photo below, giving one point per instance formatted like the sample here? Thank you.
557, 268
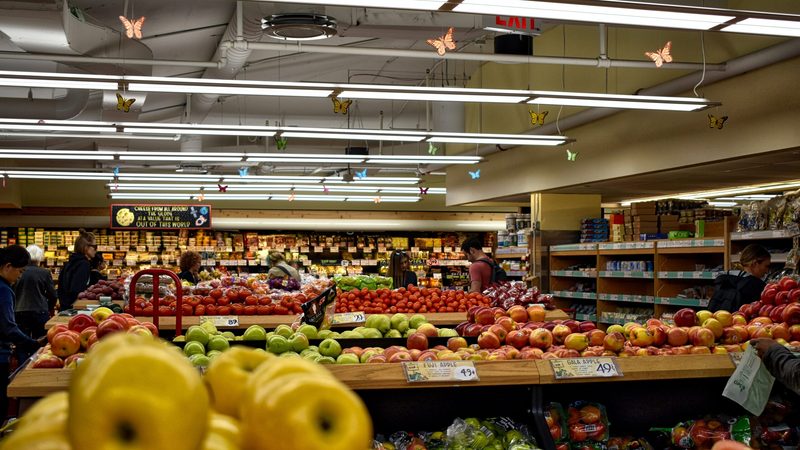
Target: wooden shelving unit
778, 242
685, 265
563, 280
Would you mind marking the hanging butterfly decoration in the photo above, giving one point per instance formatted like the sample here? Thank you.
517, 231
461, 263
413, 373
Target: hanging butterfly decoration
243, 171
325, 189
475, 175
341, 107
222, 188
572, 156
201, 197
124, 104
4, 181
443, 43
538, 118
281, 142
116, 171
661, 55
133, 28
423, 190
377, 199
291, 197
716, 122
361, 175
432, 149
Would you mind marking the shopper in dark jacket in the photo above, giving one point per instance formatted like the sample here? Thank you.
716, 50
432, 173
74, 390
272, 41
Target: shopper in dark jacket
780, 362
190, 263
13, 260
74, 277
400, 270
98, 265
36, 295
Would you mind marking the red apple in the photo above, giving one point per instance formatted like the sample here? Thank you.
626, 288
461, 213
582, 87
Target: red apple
530, 353
48, 361
782, 298
151, 326
781, 331
536, 313
640, 337
541, 338
787, 283
484, 316
700, 350
653, 322
518, 313
560, 333
703, 338
517, 339
730, 336
66, 343
472, 330
427, 355
586, 326
768, 294
414, 353
498, 312
794, 332
507, 323
573, 325
659, 333
685, 317
80, 322
596, 337
400, 357
85, 335
109, 326
791, 314
417, 341
499, 331
71, 361
677, 336
390, 351
55, 330
428, 329
376, 359
794, 295
614, 341
777, 313
122, 320
739, 319
488, 340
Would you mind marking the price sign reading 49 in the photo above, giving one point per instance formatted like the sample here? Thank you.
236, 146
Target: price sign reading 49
438, 371
601, 367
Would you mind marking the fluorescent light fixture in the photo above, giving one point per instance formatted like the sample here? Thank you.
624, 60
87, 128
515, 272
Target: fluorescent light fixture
349, 136
54, 127
57, 154
723, 204
181, 156
582, 12
196, 187
424, 5
91, 136
279, 197
739, 190
765, 26
498, 139
359, 91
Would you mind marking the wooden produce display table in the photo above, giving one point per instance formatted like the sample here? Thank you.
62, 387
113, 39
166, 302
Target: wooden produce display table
168, 322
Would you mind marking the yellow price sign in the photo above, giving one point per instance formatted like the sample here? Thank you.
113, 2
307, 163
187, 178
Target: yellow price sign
349, 318
221, 321
437, 371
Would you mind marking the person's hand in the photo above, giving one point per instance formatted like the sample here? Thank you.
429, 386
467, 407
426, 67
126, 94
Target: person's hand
730, 445
761, 345
42, 341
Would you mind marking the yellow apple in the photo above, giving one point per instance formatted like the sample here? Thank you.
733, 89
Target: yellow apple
227, 376
44, 426
305, 411
703, 315
100, 314
226, 428
46, 409
132, 392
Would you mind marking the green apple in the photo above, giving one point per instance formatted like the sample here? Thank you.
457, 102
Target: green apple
396, 319
278, 344
329, 347
180, 338
197, 334
228, 335
194, 348
326, 360
227, 376
352, 334
299, 342
393, 334
334, 335
447, 332
218, 343
238, 338
213, 354
289, 354
416, 320
313, 348
409, 332
199, 360
209, 327
284, 330
359, 330
308, 353
372, 333
366, 354
309, 330
324, 334
255, 333
347, 358
379, 321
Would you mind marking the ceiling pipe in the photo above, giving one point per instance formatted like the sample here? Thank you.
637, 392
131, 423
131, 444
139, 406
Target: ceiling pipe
737, 66
103, 60
249, 44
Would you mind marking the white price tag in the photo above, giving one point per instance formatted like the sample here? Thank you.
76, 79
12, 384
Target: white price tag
437, 249
600, 367
335, 249
122, 248
304, 250
352, 249
349, 318
448, 249
345, 263
141, 248
221, 321
414, 249
433, 371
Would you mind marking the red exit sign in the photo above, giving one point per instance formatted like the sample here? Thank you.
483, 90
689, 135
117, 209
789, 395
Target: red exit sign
517, 23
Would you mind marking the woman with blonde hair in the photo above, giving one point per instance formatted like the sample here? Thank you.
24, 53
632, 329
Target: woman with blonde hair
280, 268
74, 277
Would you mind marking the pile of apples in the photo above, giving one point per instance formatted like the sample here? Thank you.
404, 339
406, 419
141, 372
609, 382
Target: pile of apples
408, 300
512, 293
66, 344
780, 302
103, 288
480, 319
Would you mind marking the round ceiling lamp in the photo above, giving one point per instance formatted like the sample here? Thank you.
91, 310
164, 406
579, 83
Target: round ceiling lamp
299, 27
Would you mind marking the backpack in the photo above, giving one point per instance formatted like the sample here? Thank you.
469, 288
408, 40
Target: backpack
727, 294
498, 273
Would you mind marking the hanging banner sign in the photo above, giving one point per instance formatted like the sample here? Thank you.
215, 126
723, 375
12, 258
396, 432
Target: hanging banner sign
160, 217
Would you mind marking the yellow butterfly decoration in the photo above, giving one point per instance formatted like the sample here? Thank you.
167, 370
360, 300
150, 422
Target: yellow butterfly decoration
133, 27
661, 55
538, 118
716, 122
443, 43
341, 107
124, 104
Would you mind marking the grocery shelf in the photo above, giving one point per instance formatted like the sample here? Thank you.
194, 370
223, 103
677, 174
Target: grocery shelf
765, 234
694, 275
653, 368
680, 301
574, 253
691, 243
583, 317
511, 256
36, 383
168, 322
624, 252
589, 247
517, 273
626, 245
627, 298
776, 257
574, 273
511, 250
580, 295
690, 250
625, 274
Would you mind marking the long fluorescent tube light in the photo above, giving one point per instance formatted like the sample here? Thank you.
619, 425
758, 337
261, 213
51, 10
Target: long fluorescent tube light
182, 156
423, 5
362, 91
739, 190
279, 197
196, 187
349, 136
766, 26
57, 154
499, 139
90, 136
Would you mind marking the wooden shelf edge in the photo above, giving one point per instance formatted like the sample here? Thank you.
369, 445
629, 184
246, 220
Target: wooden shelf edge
632, 251
573, 253
690, 250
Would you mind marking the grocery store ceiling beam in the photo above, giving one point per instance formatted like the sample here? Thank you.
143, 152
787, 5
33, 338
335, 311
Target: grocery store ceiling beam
619, 12
348, 91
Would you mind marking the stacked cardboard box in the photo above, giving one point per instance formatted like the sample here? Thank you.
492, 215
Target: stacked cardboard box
643, 219
668, 222
594, 230
617, 227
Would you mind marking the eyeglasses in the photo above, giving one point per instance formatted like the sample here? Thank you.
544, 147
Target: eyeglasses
94, 246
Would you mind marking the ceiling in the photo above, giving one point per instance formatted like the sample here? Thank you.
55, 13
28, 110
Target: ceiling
192, 30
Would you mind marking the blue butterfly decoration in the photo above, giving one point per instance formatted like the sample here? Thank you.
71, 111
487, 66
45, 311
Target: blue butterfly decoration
243, 171
116, 171
362, 174
475, 175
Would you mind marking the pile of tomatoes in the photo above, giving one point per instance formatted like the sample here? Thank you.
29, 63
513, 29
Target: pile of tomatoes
408, 300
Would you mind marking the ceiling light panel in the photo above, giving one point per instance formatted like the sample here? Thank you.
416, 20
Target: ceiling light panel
766, 26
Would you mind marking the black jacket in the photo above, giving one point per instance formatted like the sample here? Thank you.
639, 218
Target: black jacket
73, 280
189, 276
784, 366
35, 290
9, 331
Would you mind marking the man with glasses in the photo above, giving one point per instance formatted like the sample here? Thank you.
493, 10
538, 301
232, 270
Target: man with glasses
74, 277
